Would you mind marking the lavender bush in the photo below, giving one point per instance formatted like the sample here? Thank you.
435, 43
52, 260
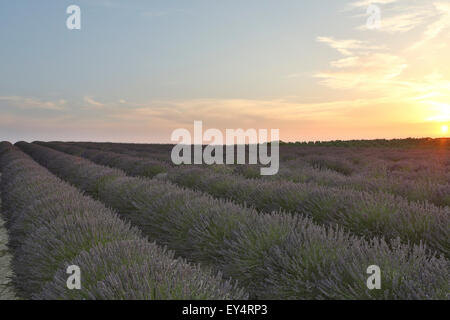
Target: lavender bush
134, 166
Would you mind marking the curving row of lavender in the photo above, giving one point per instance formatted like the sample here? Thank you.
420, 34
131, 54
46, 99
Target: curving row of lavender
52, 226
134, 166
363, 213
160, 152
274, 256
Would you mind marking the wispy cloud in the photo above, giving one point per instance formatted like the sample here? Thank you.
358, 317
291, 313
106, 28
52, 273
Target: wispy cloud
33, 103
365, 66
437, 27
348, 46
251, 113
402, 22
371, 67
93, 102
153, 121
364, 72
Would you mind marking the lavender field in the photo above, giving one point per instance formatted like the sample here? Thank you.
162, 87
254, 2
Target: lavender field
140, 227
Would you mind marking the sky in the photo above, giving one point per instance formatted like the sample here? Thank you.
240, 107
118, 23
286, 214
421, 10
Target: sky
139, 69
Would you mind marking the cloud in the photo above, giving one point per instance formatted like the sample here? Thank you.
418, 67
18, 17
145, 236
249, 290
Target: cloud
364, 72
368, 67
349, 46
93, 103
441, 111
233, 113
154, 121
423, 97
403, 22
33, 103
434, 29
365, 67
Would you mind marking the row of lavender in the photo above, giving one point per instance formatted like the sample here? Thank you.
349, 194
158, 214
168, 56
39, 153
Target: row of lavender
363, 213
274, 256
159, 152
416, 174
53, 226
423, 189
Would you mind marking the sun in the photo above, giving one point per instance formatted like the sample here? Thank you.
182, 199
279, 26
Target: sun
444, 129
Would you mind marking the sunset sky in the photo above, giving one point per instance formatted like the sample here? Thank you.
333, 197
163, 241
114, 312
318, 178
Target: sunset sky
139, 69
